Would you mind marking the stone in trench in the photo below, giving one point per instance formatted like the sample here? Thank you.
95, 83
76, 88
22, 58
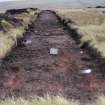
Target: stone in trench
26, 42
36, 31
81, 52
53, 51
87, 71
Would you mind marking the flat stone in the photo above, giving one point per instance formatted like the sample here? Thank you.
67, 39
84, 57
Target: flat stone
28, 42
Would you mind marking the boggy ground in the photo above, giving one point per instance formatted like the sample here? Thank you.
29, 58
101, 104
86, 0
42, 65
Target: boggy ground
30, 70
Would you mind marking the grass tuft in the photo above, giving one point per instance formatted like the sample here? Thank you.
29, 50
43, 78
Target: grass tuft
48, 100
9, 33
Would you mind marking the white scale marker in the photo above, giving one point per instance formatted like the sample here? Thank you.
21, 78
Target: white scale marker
53, 51
88, 71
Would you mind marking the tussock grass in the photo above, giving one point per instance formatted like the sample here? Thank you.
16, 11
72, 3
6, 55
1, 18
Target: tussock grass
9, 39
100, 100
95, 35
48, 100
26, 16
90, 24
5, 25
9, 33
83, 17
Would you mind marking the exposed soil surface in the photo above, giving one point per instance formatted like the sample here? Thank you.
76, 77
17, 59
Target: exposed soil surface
30, 69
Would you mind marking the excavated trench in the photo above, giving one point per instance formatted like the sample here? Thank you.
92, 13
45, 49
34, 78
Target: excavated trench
31, 70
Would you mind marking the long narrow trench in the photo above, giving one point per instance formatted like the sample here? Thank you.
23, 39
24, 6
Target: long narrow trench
31, 70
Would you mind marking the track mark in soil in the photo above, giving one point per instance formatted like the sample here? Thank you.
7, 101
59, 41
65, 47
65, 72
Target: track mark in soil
31, 70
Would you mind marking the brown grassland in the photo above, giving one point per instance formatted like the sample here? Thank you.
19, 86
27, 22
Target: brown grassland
50, 100
12, 28
90, 24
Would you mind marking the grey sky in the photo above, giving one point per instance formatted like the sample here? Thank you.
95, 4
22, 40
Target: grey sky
51, 3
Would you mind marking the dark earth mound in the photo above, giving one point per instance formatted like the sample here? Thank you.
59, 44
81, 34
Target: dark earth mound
9, 20
10, 17
30, 69
19, 11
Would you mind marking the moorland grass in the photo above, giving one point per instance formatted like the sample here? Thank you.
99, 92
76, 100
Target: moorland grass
48, 100
51, 100
10, 33
90, 24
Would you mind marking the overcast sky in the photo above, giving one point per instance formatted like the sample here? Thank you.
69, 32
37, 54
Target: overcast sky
7, 0
59, 1
6, 4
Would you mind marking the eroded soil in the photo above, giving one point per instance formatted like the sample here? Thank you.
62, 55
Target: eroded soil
30, 69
